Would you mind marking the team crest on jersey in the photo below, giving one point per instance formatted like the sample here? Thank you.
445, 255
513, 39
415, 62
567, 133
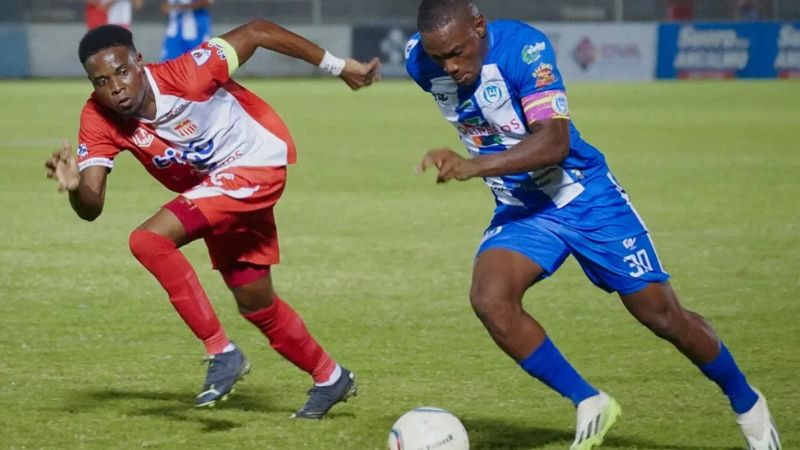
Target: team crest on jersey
532, 53
493, 93
629, 243
544, 75
201, 56
83, 150
142, 138
185, 128
559, 104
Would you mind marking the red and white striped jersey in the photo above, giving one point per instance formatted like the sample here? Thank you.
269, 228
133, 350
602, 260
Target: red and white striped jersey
204, 122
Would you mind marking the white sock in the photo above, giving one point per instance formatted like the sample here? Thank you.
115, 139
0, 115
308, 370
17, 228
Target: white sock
229, 348
337, 372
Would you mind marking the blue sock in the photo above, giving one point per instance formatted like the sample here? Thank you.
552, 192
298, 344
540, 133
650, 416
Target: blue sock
724, 371
551, 368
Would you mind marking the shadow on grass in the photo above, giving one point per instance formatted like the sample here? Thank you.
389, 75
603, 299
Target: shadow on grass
170, 405
485, 434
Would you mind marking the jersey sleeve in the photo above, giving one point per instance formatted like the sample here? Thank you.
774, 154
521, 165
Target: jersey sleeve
200, 71
96, 146
413, 56
536, 77
420, 67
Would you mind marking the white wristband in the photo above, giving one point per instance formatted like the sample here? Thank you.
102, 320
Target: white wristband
332, 64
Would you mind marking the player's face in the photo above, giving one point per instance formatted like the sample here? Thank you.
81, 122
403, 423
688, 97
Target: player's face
459, 48
119, 80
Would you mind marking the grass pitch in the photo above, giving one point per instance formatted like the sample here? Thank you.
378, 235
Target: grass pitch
377, 260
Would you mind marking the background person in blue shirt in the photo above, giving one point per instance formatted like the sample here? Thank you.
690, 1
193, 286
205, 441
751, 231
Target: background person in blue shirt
499, 85
188, 25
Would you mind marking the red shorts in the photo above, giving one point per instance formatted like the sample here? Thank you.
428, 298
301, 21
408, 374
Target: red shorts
236, 215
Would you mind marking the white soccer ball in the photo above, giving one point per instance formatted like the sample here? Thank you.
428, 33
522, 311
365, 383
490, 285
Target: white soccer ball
428, 428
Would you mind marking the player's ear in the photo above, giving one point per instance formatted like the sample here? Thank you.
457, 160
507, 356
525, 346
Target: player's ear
139, 58
480, 25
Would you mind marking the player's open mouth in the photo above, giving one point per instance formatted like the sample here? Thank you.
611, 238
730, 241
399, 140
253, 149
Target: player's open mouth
126, 103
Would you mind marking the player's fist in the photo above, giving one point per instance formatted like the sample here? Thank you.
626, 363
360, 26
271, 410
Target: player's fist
449, 164
63, 167
357, 74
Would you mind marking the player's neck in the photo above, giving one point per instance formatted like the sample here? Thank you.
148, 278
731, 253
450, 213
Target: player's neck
148, 109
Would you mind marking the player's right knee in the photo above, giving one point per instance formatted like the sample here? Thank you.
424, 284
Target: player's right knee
147, 246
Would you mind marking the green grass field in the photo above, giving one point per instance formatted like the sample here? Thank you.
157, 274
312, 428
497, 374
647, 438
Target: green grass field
378, 260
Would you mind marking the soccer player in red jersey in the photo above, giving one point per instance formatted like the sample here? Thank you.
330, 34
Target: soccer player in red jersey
225, 151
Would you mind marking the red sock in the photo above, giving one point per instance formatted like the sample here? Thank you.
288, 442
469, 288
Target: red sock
289, 336
160, 256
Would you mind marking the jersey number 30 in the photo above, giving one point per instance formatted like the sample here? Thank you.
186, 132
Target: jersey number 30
639, 262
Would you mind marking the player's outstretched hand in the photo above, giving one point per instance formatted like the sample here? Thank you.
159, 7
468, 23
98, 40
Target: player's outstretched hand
63, 167
450, 165
358, 75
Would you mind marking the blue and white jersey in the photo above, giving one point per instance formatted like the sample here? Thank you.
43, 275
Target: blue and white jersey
189, 25
519, 83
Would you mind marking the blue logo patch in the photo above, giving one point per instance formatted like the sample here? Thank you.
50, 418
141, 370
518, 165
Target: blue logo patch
493, 94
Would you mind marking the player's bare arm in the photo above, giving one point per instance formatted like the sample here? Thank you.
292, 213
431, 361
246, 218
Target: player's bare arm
265, 34
547, 145
86, 189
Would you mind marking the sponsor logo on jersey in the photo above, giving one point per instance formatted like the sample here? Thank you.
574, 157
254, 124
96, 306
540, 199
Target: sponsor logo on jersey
441, 98
559, 104
83, 150
577, 174
474, 121
198, 154
185, 128
467, 107
493, 93
142, 138
532, 53
629, 243
487, 141
475, 126
546, 177
174, 112
201, 56
544, 75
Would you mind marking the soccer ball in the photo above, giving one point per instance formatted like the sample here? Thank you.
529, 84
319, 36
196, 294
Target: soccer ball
428, 428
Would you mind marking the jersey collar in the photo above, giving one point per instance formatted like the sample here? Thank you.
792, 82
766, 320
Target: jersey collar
156, 94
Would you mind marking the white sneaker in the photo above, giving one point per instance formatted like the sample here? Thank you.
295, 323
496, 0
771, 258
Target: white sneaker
758, 427
596, 415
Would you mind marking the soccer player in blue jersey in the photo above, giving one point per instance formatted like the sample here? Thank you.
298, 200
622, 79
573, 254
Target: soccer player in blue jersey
498, 84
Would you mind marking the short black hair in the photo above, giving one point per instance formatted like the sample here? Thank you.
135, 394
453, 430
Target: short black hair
103, 37
433, 15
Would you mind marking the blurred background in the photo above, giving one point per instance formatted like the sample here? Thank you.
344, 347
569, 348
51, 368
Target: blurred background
404, 11
617, 40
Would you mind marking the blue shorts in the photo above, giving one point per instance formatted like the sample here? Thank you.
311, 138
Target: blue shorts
610, 242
